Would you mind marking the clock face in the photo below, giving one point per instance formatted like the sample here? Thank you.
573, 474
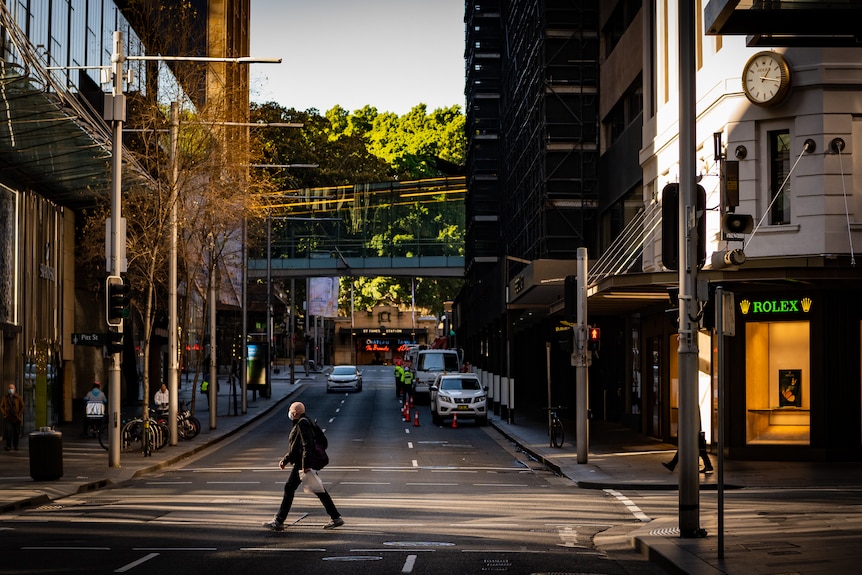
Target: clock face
766, 78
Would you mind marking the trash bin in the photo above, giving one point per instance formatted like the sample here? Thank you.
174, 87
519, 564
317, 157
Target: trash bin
46, 454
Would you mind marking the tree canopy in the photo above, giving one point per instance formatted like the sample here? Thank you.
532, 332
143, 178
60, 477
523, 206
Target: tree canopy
365, 146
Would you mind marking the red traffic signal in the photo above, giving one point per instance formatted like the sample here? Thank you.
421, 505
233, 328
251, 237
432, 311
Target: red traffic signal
594, 341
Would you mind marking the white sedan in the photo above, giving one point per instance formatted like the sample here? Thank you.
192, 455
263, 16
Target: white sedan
345, 377
459, 394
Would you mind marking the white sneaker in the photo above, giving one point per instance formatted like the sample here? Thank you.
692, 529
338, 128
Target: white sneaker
275, 525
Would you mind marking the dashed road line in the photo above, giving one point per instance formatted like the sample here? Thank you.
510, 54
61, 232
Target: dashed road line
634, 509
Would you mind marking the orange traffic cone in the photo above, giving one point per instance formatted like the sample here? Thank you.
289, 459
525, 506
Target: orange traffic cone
416, 418
454, 420
411, 402
406, 414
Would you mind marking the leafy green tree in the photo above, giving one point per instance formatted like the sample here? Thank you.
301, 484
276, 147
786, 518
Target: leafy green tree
368, 146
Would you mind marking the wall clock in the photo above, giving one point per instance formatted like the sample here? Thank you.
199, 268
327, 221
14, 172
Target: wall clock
766, 78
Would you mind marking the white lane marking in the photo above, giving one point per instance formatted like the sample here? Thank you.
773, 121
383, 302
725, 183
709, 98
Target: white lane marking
634, 509
532, 551
407, 431
174, 548
65, 548
283, 549
331, 419
409, 564
409, 445
338, 410
391, 550
433, 484
499, 485
354, 558
569, 536
233, 482
415, 463
365, 483
134, 564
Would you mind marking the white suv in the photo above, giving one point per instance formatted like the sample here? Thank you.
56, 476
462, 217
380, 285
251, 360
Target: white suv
459, 393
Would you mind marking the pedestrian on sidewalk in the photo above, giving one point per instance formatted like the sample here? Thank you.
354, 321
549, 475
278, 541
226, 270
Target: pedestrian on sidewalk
12, 409
300, 447
205, 388
704, 455
162, 399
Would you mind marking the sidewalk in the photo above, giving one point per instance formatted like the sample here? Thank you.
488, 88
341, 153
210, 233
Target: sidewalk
85, 462
618, 459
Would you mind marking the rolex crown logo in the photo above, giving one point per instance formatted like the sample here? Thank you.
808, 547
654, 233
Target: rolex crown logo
745, 305
806, 304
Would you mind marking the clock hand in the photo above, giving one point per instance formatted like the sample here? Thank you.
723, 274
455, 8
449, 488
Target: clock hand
770, 79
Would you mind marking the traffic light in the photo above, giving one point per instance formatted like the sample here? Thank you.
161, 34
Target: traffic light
670, 226
673, 311
570, 298
115, 342
594, 341
116, 300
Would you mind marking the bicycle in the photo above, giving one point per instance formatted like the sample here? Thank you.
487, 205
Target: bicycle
556, 431
143, 435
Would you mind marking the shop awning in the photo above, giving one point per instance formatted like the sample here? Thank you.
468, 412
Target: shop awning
787, 23
61, 151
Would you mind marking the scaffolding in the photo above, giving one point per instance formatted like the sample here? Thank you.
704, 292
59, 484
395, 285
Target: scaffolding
550, 142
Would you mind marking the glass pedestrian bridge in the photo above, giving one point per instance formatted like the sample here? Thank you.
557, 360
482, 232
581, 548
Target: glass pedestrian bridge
413, 228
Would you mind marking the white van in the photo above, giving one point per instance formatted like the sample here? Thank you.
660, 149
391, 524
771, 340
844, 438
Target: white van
430, 362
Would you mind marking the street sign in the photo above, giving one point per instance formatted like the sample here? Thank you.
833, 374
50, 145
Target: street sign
95, 339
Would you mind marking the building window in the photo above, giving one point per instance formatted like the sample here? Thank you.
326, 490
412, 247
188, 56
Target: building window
777, 383
779, 183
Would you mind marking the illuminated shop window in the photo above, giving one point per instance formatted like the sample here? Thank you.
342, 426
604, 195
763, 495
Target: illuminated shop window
777, 383
704, 384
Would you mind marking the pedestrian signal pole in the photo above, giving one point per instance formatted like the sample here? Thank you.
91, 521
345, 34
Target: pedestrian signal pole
689, 428
115, 112
582, 356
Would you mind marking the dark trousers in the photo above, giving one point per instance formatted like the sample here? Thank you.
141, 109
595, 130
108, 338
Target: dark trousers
704, 455
290, 488
11, 433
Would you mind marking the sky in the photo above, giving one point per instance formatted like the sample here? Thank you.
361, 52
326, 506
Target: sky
389, 54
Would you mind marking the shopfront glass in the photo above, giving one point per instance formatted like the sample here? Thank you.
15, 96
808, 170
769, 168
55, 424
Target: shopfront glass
777, 383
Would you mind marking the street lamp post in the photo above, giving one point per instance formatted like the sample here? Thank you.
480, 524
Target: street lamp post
115, 112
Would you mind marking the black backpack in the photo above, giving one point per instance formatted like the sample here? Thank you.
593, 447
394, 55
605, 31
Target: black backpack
318, 459
319, 437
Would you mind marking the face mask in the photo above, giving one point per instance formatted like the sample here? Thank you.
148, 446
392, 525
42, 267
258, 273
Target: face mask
11, 391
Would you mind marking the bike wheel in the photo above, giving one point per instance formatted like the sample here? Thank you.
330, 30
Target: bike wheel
557, 433
130, 435
148, 440
190, 427
102, 434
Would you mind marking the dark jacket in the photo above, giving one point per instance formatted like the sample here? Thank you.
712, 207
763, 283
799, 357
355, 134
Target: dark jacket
12, 408
300, 443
